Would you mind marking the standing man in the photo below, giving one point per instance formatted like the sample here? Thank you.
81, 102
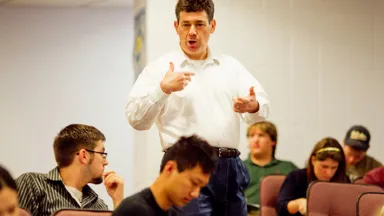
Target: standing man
194, 90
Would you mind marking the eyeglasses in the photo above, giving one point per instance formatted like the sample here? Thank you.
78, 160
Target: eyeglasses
104, 154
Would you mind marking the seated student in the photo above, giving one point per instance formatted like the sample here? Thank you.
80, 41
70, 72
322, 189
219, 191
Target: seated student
185, 169
9, 205
262, 141
375, 177
326, 163
81, 158
356, 145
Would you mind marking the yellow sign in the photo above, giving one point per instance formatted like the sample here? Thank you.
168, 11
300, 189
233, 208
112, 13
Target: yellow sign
139, 52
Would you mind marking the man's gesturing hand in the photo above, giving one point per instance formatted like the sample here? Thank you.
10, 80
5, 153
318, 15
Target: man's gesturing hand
175, 81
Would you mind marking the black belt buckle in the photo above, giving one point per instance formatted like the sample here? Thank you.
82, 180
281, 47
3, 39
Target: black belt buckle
220, 152
228, 152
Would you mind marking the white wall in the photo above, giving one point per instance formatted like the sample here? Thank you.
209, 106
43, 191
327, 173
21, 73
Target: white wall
63, 66
321, 62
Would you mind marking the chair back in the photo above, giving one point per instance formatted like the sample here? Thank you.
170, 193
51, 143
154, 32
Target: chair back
370, 204
358, 181
269, 191
330, 198
81, 212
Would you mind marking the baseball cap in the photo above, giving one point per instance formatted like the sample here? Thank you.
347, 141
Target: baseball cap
358, 137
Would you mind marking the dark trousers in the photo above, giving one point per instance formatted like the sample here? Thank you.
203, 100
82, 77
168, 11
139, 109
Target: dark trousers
224, 194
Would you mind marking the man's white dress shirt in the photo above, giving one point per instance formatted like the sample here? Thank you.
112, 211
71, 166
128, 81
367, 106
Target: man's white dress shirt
204, 107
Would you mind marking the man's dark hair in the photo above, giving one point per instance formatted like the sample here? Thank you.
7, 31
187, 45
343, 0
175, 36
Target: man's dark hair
189, 152
72, 139
195, 6
6, 180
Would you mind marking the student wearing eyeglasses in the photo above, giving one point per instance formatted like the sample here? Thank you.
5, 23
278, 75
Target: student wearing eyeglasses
81, 158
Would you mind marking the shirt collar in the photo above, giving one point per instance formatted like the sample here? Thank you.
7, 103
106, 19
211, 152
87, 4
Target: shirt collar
182, 60
272, 163
54, 175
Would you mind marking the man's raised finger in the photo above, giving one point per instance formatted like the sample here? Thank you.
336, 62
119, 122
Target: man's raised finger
188, 73
188, 78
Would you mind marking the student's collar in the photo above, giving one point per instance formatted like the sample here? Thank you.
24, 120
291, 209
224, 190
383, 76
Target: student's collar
54, 175
272, 163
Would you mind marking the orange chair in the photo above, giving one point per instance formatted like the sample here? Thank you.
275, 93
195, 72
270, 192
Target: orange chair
82, 212
330, 198
269, 191
370, 203
358, 181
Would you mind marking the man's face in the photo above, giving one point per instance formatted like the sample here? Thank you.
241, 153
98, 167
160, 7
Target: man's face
352, 155
194, 31
97, 163
182, 187
260, 143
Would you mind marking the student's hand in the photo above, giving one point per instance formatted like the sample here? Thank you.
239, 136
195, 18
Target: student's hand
302, 204
297, 205
247, 104
175, 81
114, 185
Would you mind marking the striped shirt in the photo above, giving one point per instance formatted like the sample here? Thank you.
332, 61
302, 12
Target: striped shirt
44, 194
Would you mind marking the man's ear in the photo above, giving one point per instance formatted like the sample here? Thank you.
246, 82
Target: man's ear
213, 26
170, 167
84, 157
176, 25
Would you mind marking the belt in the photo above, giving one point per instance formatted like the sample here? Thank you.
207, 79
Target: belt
227, 152
223, 152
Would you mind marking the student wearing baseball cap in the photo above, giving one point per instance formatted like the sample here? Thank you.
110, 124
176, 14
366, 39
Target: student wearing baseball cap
356, 145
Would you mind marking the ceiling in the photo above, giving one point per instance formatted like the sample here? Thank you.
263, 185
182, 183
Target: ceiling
66, 3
